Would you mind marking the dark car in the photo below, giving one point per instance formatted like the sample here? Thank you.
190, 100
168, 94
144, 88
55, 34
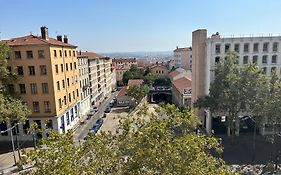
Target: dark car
96, 126
108, 109
95, 108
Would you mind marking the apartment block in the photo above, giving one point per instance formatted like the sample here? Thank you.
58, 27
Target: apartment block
121, 65
183, 58
47, 82
264, 51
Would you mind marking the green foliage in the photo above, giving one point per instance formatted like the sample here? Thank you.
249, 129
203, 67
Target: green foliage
142, 147
138, 92
11, 107
162, 82
150, 78
133, 73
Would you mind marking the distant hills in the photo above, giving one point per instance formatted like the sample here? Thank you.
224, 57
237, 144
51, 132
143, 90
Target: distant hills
149, 56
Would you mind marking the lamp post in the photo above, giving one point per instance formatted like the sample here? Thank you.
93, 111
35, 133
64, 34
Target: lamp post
13, 146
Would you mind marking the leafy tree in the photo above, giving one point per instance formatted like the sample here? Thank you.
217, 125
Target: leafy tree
133, 73
150, 78
153, 146
138, 92
162, 82
11, 107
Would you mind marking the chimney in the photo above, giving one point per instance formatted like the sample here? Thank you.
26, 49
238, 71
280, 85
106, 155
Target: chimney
44, 33
65, 39
59, 38
80, 52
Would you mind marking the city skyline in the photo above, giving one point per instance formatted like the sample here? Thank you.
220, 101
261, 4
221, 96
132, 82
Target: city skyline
125, 26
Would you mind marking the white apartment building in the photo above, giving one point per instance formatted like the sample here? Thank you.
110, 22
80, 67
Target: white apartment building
183, 57
85, 97
207, 51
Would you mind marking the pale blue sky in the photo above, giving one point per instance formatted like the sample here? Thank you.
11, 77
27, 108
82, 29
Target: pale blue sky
137, 25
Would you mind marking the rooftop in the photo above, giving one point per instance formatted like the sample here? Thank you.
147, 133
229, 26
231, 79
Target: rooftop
182, 83
135, 82
122, 92
90, 55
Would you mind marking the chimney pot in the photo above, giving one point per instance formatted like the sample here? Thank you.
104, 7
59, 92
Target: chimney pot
44, 33
65, 39
59, 38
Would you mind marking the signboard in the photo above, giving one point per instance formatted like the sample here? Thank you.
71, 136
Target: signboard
187, 91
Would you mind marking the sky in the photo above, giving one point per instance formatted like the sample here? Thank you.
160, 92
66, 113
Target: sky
137, 25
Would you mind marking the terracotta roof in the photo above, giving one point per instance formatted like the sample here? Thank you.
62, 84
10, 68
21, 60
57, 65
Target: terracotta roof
122, 92
182, 83
124, 59
135, 82
89, 55
174, 73
35, 40
182, 49
152, 67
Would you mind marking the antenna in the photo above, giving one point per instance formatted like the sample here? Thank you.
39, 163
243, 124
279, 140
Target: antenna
30, 32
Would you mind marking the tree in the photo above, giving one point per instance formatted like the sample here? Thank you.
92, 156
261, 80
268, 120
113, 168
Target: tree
156, 146
150, 78
11, 107
138, 92
133, 73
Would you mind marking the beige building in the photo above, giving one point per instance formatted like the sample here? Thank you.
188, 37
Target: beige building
181, 92
101, 74
183, 57
47, 82
121, 65
179, 73
160, 70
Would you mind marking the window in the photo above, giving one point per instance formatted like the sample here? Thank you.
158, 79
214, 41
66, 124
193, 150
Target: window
55, 53
264, 59
64, 99
36, 106
70, 64
61, 67
74, 53
33, 88
77, 94
29, 54
226, 47
43, 70
70, 53
17, 55
275, 47
66, 66
69, 97
20, 70
22, 88
245, 59
60, 104
58, 85
11, 88
47, 106
3, 127
255, 59
265, 47
49, 124
31, 70
60, 53
217, 60
41, 54
75, 65
26, 126
256, 47
57, 68
246, 47
65, 53
274, 59
236, 48
73, 93
63, 85
218, 48
67, 118
45, 88
67, 81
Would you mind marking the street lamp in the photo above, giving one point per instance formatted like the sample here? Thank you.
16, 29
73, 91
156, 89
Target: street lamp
12, 138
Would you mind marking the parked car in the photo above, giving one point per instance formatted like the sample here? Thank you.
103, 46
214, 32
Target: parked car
108, 109
111, 103
97, 126
95, 108
90, 114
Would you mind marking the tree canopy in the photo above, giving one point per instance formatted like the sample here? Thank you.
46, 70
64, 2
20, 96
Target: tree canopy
133, 73
163, 144
11, 107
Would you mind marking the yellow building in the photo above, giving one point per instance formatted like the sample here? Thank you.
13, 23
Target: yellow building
47, 80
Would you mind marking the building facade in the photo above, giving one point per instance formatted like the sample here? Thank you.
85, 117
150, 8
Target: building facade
47, 82
84, 80
122, 65
160, 70
208, 51
183, 57
100, 76
181, 92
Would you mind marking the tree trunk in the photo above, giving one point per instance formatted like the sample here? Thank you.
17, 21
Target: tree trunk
254, 143
228, 131
237, 126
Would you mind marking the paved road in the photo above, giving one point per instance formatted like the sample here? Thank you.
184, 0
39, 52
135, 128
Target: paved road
83, 129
